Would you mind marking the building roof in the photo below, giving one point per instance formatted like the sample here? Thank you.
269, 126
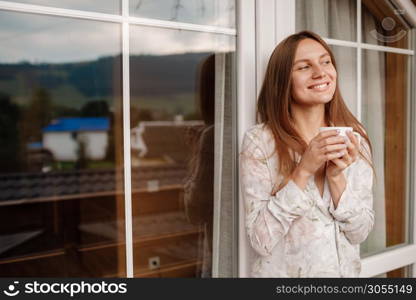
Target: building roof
34, 185
78, 124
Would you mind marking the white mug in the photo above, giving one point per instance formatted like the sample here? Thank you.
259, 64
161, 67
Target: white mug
342, 131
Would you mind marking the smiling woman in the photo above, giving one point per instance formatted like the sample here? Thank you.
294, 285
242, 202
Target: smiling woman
307, 195
314, 75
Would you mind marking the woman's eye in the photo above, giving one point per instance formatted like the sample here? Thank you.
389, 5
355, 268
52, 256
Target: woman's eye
327, 62
303, 68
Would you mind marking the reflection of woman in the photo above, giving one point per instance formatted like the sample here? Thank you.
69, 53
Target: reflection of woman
308, 195
200, 182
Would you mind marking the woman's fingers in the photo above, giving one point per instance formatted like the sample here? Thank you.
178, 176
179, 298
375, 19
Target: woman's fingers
340, 163
332, 148
344, 161
332, 140
334, 155
348, 159
353, 146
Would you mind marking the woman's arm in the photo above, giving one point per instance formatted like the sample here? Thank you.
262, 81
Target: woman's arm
336, 187
354, 209
268, 217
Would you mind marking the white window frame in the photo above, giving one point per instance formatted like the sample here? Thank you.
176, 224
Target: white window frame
282, 14
125, 21
246, 105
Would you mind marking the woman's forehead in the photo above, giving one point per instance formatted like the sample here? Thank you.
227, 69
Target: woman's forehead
310, 49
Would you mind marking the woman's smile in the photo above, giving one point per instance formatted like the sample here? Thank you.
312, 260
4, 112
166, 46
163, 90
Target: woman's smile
320, 87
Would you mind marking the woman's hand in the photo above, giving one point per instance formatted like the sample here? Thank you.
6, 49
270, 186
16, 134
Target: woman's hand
325, 146
337, 165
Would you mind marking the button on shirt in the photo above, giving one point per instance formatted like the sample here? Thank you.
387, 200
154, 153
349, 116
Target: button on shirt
298, 233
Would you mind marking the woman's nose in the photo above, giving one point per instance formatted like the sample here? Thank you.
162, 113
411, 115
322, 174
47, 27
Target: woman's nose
317, 71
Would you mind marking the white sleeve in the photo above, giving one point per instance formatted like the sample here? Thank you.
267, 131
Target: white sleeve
268, 218
354, 213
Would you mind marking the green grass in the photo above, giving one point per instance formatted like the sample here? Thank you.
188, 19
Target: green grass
71, 165
63, 165
101, 164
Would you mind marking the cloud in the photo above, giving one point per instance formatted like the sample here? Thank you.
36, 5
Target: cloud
156, 41
206, 12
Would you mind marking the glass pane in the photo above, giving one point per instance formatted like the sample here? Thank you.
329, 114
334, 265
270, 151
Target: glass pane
212, 12
383, 25
404, 272
61, 157
385, 116
180, 99
346, 59
102, 6
335, 19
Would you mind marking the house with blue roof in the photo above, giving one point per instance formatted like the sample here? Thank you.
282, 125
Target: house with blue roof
64, 137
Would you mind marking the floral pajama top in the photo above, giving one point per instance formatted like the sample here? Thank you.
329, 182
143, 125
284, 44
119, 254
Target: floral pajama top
298, 233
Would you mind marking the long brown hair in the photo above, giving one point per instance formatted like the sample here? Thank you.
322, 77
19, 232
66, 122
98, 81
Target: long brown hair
274, 104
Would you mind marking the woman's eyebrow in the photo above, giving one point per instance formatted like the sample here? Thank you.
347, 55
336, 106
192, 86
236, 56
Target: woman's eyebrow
301, 60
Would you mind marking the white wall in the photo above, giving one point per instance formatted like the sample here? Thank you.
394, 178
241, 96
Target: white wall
65, 148
96, 144
246, 107
262, 25
61, 144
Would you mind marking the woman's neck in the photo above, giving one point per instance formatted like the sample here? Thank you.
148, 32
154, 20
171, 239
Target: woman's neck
308, 120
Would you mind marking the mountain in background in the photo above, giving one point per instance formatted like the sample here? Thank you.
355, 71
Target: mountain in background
168, 81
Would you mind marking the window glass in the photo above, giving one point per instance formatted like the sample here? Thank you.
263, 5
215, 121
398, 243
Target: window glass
61, 182
181, 133
385, 116
346, 59
335, 19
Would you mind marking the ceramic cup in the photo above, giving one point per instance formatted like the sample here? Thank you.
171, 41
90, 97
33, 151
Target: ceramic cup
342, 131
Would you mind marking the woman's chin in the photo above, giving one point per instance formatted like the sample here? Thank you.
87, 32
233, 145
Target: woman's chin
320, 100
325, 98
315, 99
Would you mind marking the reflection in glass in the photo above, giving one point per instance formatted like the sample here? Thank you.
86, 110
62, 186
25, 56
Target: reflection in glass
60, 170
335, 19
176, 94
102, 6
213, 12
384, 25
346, 59
384, 114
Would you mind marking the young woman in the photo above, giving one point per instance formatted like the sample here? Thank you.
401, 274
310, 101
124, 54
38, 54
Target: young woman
308, 195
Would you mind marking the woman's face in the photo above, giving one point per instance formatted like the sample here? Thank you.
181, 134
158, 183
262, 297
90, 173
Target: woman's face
313, 76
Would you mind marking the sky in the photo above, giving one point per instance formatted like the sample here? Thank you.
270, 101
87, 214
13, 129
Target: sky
49, 39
